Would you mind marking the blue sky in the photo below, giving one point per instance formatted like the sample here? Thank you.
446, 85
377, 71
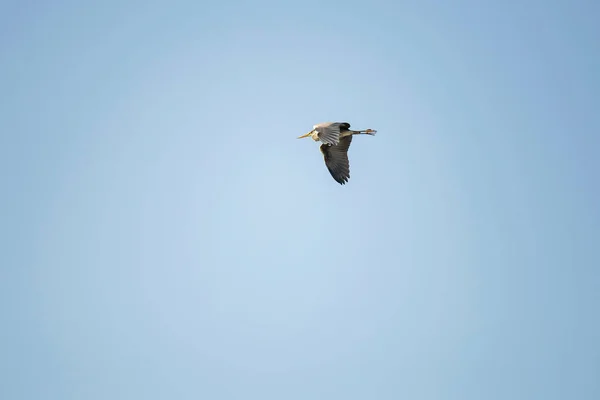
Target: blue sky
166, 236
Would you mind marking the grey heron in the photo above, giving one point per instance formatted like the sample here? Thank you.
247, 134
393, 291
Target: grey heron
336, 138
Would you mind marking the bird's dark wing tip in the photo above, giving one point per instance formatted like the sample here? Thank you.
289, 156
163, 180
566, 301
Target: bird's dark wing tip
336, 160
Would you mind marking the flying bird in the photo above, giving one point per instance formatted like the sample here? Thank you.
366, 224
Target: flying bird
336, 138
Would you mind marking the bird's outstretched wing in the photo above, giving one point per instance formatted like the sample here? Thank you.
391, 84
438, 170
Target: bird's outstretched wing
336, 159
329, 132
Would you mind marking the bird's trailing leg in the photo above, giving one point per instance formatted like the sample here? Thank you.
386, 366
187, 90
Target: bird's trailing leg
371, 132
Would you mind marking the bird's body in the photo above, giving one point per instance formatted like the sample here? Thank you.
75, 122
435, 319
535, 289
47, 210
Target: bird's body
336, 138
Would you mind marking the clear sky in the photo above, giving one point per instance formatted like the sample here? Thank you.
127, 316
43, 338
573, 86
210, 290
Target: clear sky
166, 236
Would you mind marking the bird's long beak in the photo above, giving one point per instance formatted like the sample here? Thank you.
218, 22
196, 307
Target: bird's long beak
303, 136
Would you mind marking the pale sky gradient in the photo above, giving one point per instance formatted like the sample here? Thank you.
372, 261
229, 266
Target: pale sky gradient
166, 236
